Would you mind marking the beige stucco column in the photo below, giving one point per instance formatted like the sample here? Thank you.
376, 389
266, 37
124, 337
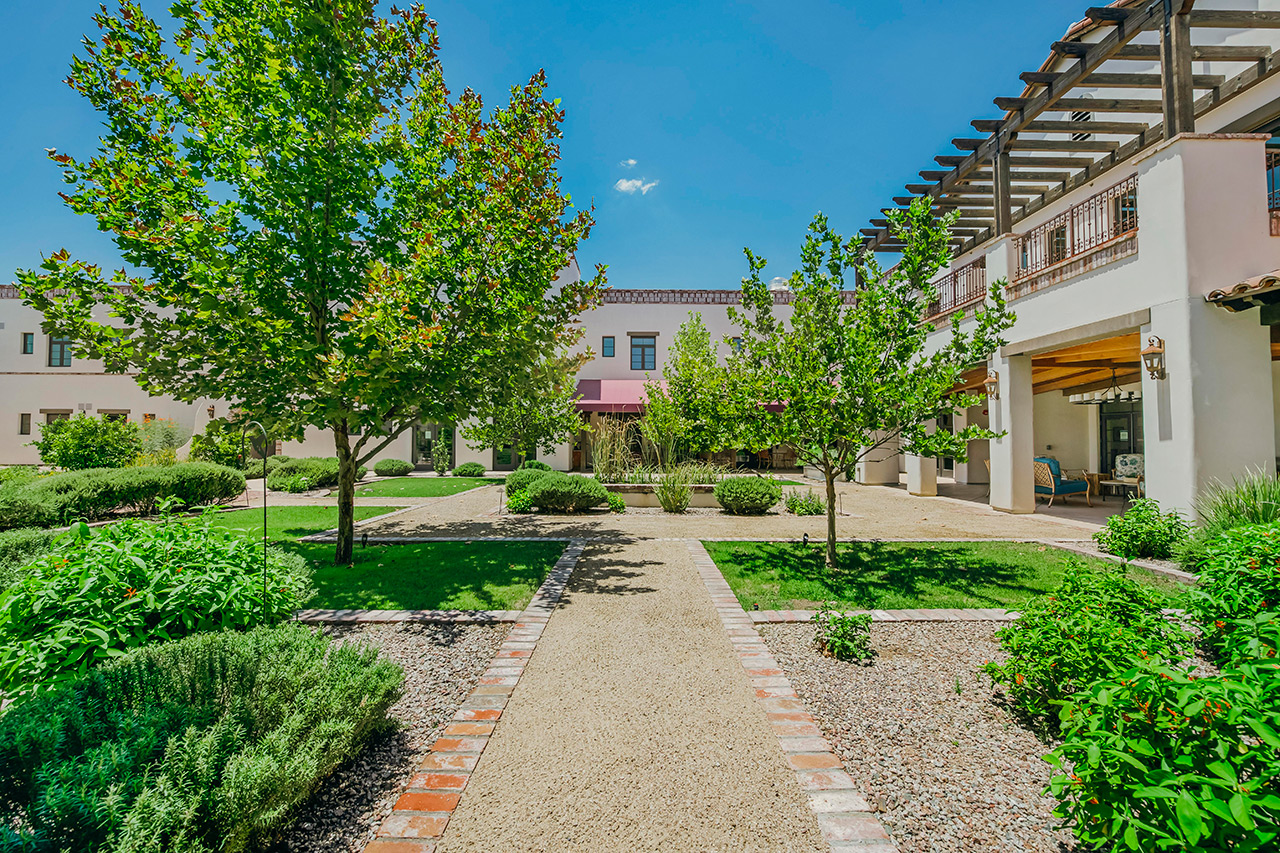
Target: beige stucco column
1202, 205
922, 473
880, 466
1012, 474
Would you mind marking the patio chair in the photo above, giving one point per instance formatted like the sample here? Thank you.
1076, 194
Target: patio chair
1129, 473
1048, 473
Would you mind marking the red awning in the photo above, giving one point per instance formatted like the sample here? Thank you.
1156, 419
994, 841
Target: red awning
612, 395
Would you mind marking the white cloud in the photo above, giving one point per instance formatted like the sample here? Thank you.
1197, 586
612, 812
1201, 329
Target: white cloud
627, 163
631, 185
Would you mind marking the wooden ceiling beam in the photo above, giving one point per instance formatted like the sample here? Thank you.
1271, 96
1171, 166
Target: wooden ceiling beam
1232, 19
1092, 105
1112, 80
1100, 384
1105, 363
1201, 53
1093, 56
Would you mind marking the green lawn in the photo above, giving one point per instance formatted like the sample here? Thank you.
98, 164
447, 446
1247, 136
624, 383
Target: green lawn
414, 576
292, 522
421, 487
896, 575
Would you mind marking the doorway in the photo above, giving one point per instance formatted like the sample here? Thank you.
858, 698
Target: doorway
1120, 431
425, 439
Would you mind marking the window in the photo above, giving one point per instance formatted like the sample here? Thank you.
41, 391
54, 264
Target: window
114, 416
50, 417
1056, 240
1124, 212
59, 352
146, 419
24, 423
736, 343
644, 353
606, 346
28, 343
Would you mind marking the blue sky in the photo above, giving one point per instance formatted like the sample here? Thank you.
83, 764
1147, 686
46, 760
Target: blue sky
745, 117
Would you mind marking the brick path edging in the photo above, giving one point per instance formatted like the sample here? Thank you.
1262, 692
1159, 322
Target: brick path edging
844, 816
422, 812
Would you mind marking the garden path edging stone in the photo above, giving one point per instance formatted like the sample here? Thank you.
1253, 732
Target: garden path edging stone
844, 815
423, 810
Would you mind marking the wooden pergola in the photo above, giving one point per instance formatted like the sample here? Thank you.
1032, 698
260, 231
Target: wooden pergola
1003, 177
1076, 369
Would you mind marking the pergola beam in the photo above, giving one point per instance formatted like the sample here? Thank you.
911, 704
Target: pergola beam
1235, 20
1205, 53
1108, 80
1093, 105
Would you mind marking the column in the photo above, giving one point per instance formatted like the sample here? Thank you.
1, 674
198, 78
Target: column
922, 472
880, 466
1012, 472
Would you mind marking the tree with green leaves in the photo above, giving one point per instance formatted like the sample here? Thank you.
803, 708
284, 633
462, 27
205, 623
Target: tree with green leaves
535, 411
853, 369
322, 235
695, 393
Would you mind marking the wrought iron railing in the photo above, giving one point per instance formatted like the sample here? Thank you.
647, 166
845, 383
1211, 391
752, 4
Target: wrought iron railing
963, 286
1273, 179
1094, 222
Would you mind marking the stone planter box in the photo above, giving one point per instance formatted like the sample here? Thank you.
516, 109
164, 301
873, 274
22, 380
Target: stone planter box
642, 494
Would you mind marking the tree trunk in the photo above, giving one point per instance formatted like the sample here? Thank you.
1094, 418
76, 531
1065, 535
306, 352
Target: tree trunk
830, 474
346, 499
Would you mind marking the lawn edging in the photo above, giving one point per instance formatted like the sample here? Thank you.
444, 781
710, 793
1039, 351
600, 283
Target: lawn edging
843, 814
422, 812
965, 614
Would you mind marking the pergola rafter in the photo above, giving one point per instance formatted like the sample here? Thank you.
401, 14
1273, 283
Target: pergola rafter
1018, 166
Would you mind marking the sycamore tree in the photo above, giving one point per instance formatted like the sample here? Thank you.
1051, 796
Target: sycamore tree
315, 229
537, 410
854, 368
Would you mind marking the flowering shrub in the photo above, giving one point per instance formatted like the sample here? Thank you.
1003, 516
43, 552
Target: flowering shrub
805, 504
101, 592
845, 636
616, 502
1239, 578
1098, 622
1155, 759
1142, 531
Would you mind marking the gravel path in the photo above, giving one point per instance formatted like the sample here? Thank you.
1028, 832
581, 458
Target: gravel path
633, 728
441, 664
951, 773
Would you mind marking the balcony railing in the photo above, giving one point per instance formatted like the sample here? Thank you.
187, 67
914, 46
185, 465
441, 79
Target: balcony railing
1096, 222
1273, 179
963, 286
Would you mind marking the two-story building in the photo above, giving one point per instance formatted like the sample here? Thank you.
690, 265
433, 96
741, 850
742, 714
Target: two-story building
1128, 195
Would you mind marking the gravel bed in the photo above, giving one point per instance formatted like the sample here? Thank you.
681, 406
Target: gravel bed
947, 771
442, 663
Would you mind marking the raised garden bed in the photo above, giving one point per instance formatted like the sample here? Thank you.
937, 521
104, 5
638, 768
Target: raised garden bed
644, 494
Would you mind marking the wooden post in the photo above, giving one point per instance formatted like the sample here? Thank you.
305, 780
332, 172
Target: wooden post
1175, 68
1001, 187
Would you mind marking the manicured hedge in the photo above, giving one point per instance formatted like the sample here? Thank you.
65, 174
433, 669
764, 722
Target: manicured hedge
748, 495
519, 481
392, 468
98, 492
469, 469
535, 464
318, 472
557, 492
200, 745
253, 467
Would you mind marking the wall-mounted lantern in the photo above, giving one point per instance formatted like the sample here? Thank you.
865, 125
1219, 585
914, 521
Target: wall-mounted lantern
992, 384
1153, 357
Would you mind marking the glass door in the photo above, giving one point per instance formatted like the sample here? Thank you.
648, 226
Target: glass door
1120, 431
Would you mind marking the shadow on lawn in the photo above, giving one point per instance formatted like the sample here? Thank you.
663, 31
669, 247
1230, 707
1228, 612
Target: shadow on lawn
426, 577
869, 572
